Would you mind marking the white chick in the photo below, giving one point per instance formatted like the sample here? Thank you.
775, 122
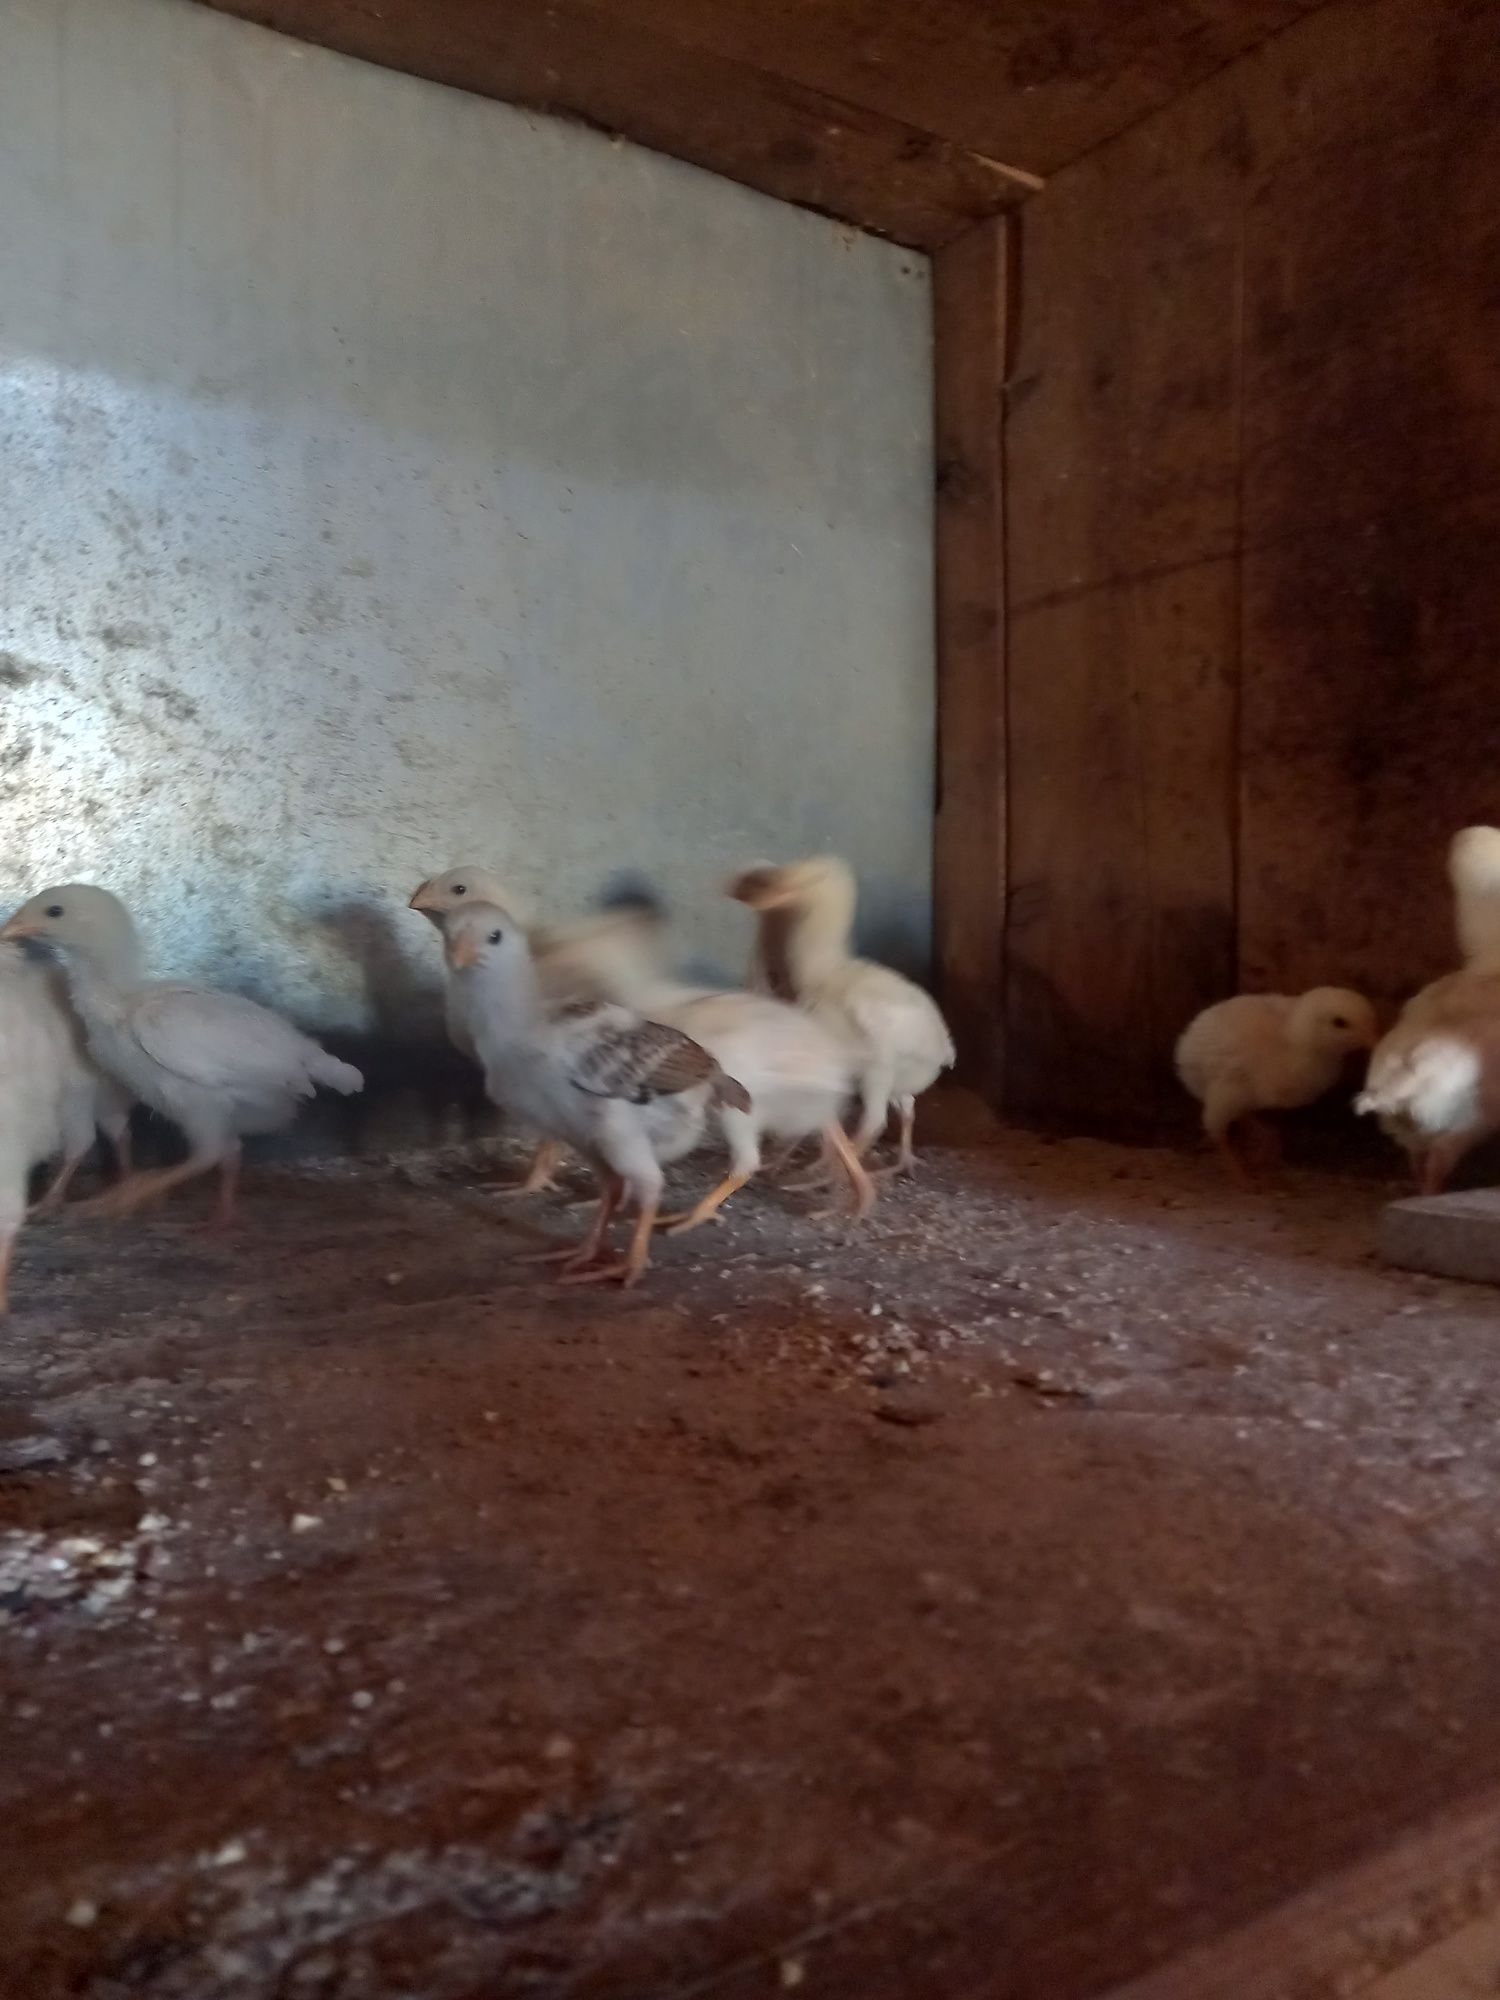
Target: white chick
806, 918
1474, 873
112, 1103
798, 1072
49, 1094
629, 1094
580, 961
1434, 1081
218, 1066
1268, 1052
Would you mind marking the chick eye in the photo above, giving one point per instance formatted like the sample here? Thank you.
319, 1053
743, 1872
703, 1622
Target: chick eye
54, 909
1339, 1021
460, 889
495, 936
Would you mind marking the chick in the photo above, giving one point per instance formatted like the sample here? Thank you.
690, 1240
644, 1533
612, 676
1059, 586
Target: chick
1434, 1081
629, 1094
1268, 1052
799, 1073
579, 961
111, 1102
218, 1066
805, 917
1474, 874
49, 1094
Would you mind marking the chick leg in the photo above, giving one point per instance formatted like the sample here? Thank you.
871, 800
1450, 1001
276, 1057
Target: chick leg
51, 1199
7, 1252
704, 1210
636, 1258
588, 1249
120, 1146
541, 1175
905, 1162
1222, 1113
839, 1151
1438, 1163
132, 1194
229, 1187
743, 1138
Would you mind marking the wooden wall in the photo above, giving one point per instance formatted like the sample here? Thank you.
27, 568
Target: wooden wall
1253, 508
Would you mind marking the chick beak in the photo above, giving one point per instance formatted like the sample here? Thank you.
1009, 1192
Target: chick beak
463, 951
423, 899
21, 927
757, 887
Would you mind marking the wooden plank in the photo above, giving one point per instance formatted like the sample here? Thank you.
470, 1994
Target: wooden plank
577, 60
1122, 425
1407, 1924
1036, 81
969, 323
1367, 737
1373, 320
1121, 911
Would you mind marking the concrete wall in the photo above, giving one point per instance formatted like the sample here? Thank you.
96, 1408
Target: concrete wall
392, 479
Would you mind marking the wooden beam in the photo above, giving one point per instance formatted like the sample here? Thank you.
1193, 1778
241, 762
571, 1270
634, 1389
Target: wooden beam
577, 60
1378, 1917
970, 281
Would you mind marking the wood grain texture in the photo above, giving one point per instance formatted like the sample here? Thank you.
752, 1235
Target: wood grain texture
1369, 697
1034, 81
750, 124
1122, 417
1411, 1923
1120, 918
970, 282
1257, 335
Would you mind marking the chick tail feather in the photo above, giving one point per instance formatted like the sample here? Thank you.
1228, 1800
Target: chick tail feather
1474, 871
335, 1075
728, 1091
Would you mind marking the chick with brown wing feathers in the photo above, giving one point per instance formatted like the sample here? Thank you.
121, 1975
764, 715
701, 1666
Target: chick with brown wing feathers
586, 960
631, 1095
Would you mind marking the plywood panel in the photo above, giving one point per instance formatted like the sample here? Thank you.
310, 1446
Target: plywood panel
1121, 860
1038, 81
1123, 432
969, 315
1373, 281
1370, 698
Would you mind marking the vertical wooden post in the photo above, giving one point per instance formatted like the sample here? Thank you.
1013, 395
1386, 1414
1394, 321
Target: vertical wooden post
970, 278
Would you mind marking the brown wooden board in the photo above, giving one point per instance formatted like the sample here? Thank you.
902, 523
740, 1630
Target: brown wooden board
1371, 720
1351, 1933
1260, 327
969, 317
1034, 81
1122, 416
1120, 919
581, 61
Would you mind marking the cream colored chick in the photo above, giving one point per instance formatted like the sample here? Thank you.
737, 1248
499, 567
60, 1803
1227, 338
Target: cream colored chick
48, 1100
1267, 1052
799, 1073
631, 1095
806, 917
1434, 1081
218, 1066
112, 1102
1474, 875
586, 960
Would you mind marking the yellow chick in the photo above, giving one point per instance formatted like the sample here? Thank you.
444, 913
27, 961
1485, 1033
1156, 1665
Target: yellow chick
1268, 1052
805, 914
1434, 1081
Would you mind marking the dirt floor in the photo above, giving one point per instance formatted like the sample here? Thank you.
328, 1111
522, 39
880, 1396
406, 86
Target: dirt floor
990, 1601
